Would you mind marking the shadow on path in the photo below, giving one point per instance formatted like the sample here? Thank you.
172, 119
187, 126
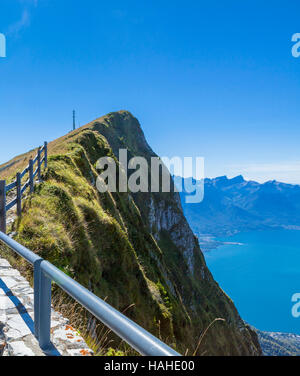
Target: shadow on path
52, 351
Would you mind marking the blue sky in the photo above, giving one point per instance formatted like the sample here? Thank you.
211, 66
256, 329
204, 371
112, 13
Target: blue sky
205, 78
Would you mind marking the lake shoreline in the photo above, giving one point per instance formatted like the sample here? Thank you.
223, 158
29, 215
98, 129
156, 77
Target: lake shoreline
210, 242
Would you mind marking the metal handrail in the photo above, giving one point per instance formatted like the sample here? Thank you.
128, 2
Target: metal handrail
44, 273
29, 256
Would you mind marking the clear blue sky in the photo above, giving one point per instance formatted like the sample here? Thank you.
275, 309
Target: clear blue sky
205, 78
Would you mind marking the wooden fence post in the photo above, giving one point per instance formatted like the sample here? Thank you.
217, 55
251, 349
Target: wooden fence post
31, 179
39, 164
3, 206
19, 195
46, 153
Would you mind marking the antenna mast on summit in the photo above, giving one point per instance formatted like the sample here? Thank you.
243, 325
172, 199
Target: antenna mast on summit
74, 121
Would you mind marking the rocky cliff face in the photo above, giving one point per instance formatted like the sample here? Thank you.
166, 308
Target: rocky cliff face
131, 248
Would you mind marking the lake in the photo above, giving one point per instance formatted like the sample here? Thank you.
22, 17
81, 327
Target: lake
261, 276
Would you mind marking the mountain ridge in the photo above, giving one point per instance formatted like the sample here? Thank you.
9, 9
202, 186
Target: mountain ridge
131, 248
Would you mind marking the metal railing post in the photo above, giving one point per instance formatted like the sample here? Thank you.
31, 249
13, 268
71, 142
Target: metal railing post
39, 164
19, 195
37, 284
3, 206
46, 153
31, 179
44, 320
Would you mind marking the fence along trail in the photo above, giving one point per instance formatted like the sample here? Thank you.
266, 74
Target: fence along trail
40, 159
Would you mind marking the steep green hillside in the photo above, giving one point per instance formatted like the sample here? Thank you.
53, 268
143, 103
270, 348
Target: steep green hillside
133, 249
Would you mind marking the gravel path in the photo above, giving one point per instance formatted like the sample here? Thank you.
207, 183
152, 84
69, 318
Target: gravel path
17, 325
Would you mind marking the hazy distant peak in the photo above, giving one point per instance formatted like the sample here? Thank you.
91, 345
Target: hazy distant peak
224, 181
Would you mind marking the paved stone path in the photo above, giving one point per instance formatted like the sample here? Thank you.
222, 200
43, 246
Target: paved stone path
17, 325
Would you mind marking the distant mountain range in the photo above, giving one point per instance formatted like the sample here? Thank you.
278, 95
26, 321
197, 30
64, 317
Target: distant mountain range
235, 205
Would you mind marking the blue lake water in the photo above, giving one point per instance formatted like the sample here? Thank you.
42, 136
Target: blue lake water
261, 276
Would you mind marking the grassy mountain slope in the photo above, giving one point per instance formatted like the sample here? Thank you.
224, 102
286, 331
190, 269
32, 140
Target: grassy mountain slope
133, 249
